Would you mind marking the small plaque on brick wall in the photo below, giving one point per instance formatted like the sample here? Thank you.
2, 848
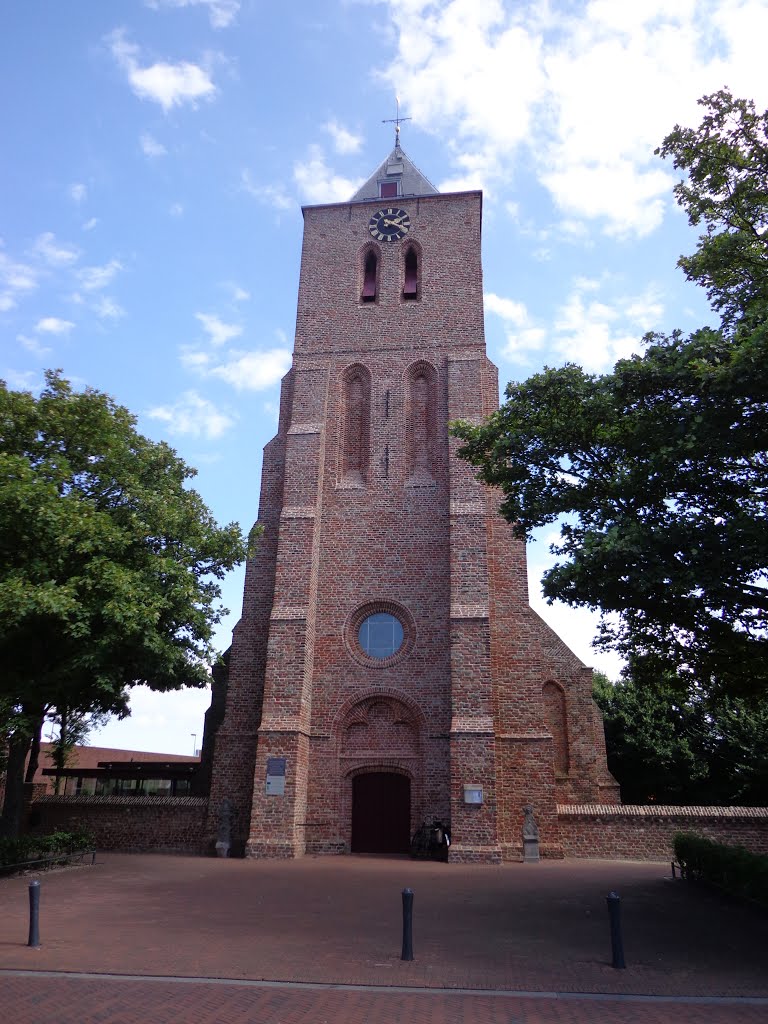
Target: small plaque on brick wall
276, 776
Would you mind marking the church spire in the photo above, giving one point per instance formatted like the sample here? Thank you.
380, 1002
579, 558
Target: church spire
396, 121
398, 175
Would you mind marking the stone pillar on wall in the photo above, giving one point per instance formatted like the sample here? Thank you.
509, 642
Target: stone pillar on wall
472, 740
525, 748
235, 744
278, 818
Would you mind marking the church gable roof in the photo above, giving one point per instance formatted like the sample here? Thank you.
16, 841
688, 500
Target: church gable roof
398, 167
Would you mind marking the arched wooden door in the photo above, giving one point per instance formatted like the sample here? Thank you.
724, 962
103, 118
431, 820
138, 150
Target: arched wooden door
381, 813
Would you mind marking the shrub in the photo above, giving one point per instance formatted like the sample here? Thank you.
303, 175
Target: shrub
732, 868
20, 849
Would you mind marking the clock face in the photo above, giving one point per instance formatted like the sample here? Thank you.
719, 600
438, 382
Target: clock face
389, 225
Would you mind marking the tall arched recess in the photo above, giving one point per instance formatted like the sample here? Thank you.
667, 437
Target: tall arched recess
355, 426
555, 710
421, 422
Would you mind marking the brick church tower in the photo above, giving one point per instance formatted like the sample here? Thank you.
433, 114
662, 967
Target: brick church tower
387, 669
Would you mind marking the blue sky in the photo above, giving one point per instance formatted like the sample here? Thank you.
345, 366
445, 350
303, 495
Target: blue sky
156, 154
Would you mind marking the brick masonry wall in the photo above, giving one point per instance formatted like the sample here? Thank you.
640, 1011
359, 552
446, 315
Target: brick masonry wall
392, 521
130, 824
646, 833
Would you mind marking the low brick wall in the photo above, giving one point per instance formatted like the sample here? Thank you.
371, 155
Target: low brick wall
645, 833
132, 824
611, 831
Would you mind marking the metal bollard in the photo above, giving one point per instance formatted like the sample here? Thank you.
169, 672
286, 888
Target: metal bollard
34, 915
614, 913
407, 953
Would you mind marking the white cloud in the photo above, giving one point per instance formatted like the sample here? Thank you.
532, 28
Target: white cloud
95, 278
270, 195
90, 224
521, 332
344, 141
193, 415
151, 147
586, 329
33, 345
170, 85
581, 93
238, 294
195, 360
318, 183
508, 309
53, 325
245, 371
254, 371
218, 332
596, 334
54, 253
107, 309
15, 279
645, 310
26, 381
220, 12
78, 191
176, 209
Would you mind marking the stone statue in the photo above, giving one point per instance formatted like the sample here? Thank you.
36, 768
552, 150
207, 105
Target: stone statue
224, 836
530, 835
530, 828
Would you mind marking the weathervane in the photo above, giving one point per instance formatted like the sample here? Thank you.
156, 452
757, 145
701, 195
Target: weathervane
396, 121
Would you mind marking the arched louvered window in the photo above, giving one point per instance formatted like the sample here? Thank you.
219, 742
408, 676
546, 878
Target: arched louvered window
411, 278
370, 267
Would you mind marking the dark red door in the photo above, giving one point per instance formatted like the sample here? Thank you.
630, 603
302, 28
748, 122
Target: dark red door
381, 813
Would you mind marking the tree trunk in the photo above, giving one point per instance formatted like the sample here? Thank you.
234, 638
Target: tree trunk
34, 752
60, 750
10, 821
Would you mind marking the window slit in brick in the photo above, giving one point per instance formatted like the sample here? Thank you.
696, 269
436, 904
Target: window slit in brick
411, 284
369, 277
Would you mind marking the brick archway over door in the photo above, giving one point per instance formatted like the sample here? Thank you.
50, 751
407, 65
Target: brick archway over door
381, 813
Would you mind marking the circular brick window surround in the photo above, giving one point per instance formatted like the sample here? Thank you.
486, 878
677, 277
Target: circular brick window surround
360, 629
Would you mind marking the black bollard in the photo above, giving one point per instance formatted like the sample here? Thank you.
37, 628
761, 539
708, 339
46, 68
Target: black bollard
614, 914
407, 953
34, 915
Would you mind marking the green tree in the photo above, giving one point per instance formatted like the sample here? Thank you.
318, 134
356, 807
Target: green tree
651, 752
668, 746
726, 190
109, 564
74, 728
659, 469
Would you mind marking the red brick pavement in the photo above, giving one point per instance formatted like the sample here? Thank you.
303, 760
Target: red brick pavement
41, 999
531, 928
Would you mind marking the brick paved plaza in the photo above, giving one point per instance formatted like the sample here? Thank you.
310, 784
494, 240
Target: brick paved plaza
189, 939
